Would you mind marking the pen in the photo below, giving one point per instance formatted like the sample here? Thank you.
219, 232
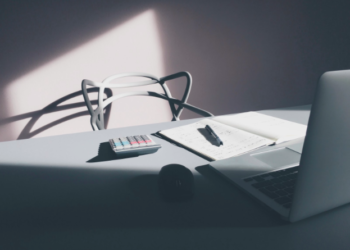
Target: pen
211, 131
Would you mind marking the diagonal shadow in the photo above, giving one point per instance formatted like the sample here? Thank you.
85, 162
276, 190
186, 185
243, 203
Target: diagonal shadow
53, 107
105, 153
79, 198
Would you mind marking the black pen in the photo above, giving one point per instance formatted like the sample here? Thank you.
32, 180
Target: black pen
211, 131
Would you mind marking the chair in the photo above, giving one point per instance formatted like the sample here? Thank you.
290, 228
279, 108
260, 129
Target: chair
97, 119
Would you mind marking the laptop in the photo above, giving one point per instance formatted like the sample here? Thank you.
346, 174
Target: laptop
321, 181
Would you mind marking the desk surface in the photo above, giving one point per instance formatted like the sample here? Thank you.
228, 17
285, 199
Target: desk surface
66, 192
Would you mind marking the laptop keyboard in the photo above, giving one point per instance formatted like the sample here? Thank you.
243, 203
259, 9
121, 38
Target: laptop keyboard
278, 185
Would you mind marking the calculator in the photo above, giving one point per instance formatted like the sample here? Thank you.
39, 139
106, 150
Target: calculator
134, 145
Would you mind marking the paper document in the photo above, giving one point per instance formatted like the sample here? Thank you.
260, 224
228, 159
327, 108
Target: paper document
276, 129
236, 142
240, 134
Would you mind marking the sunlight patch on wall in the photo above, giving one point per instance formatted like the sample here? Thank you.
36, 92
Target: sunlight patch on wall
133, 46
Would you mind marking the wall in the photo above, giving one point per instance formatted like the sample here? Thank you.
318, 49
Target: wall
243, 55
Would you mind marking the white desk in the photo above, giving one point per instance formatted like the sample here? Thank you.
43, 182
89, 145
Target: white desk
53, 198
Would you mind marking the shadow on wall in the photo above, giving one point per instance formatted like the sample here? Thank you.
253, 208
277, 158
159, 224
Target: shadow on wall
243, 55
34, 33
52, 108
253, 55
130, 46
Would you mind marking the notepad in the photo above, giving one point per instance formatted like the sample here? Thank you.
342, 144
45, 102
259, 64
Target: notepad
240, 134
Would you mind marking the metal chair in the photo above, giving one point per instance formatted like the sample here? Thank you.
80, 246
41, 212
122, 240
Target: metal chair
97, 119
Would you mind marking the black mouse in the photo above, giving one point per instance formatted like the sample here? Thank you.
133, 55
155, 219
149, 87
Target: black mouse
176, 182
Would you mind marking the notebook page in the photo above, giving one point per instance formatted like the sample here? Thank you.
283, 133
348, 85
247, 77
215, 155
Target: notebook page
276, 129
197, 138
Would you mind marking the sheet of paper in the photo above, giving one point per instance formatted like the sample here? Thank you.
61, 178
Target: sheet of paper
276, 129
196, 137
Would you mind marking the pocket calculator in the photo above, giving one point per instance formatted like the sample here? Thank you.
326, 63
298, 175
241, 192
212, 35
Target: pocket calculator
134, 145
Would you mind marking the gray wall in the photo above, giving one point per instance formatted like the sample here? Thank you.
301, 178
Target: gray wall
243, 55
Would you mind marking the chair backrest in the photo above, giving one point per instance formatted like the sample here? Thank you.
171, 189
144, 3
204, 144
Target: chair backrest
97, 118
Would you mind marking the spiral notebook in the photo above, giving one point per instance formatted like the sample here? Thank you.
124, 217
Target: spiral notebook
240, 134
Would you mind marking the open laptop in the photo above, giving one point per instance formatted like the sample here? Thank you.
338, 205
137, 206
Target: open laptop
321, 181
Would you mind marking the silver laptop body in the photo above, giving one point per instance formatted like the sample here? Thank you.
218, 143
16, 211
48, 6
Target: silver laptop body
322, 181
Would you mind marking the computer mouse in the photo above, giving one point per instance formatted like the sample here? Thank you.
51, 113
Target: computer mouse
176, 182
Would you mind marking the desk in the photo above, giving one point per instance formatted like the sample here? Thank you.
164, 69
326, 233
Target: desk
59, 193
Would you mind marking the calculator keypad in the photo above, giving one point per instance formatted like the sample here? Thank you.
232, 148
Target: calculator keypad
134, 145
